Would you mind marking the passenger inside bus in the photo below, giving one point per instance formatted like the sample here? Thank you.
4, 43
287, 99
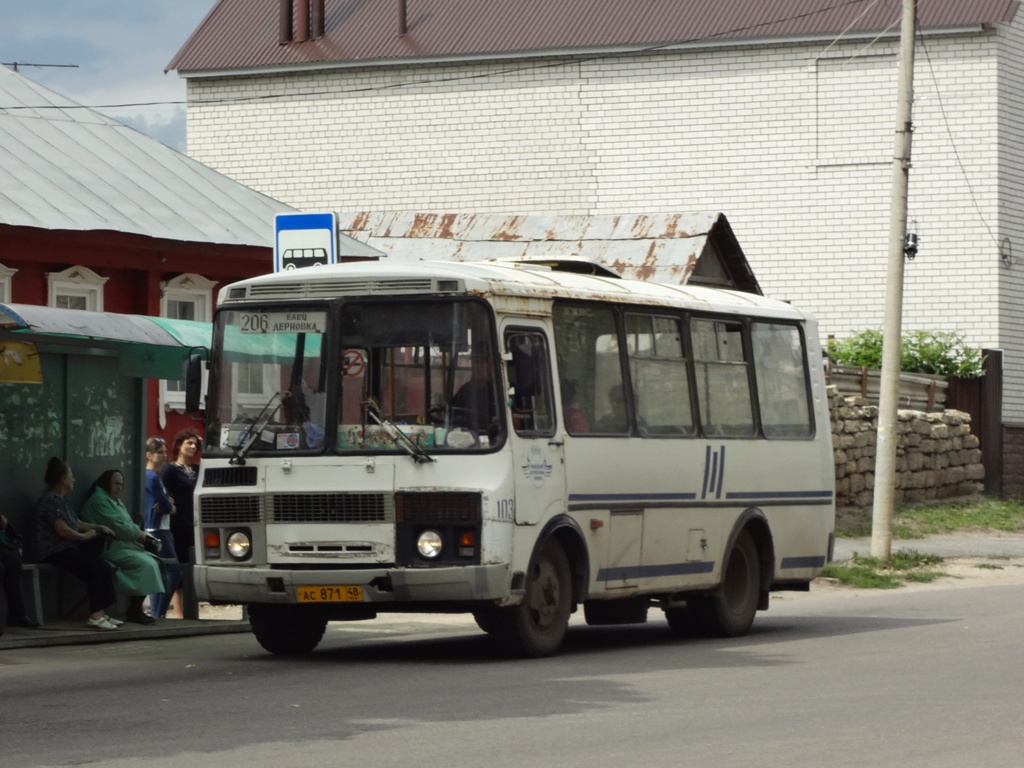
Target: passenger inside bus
576, 421
615, 419
474, 406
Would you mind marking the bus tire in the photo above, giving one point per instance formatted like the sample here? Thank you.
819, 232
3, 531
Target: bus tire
287, 630
729, 612
538, 625
488, 620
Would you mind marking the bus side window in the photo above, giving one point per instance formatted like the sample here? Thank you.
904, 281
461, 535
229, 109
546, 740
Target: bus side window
780, 364
723, 381
529, 375
590, 370
661, 388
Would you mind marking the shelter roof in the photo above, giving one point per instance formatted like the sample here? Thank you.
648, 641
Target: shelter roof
243, 34
150, 347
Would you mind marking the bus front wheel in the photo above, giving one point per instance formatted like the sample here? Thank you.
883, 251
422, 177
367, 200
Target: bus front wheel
538, 625
287, 629
730, 611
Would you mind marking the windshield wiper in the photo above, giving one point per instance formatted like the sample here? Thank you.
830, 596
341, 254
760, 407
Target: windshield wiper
252, 434
414, 450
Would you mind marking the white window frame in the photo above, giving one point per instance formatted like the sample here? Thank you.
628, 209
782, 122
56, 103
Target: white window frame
6, 273
185, 288
76, 281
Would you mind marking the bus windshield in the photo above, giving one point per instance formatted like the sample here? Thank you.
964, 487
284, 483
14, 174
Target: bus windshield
270, 390
413, 377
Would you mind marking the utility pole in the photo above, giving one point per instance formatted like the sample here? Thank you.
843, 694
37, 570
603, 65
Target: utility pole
888, 401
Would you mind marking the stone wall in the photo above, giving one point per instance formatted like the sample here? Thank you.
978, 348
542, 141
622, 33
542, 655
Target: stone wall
937, 457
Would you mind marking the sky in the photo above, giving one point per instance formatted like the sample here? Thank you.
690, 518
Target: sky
119, 48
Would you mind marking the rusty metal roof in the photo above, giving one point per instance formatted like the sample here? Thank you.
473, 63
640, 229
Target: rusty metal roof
675, 249
244, 34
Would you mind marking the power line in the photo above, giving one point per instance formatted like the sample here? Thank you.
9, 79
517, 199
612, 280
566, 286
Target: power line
566, 60
952, 140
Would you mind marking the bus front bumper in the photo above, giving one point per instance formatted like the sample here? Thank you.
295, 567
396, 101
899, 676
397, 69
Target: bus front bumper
242, 585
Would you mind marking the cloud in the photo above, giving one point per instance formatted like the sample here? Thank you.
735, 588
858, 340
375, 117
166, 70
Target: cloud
119, 50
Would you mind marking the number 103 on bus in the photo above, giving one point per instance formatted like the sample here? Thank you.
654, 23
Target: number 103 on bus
330, 594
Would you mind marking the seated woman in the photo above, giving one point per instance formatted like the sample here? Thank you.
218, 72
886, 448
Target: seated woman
74, 545
138, 572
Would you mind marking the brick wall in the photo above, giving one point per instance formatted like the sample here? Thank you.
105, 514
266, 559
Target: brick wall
792, 142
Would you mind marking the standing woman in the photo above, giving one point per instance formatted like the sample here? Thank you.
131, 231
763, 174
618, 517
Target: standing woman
69, 543
180, 475
138, 572
159, 509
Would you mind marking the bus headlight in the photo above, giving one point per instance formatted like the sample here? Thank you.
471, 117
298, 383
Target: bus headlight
239, 545
429, 544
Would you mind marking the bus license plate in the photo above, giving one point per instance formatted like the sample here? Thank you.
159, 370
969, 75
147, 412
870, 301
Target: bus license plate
329, 594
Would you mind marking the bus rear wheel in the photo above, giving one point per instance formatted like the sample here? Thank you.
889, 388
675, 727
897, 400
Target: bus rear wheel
538, 625
287, 630
730, 611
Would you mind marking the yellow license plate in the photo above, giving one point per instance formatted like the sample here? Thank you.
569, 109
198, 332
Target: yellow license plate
329, 594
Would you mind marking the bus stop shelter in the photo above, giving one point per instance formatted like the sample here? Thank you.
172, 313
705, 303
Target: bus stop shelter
73, 385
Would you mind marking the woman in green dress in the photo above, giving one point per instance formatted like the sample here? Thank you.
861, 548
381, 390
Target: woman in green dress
138, 572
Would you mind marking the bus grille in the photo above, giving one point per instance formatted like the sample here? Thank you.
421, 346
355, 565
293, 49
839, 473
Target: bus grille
436, 508
333, 288
333, 508
226, 477
230, 510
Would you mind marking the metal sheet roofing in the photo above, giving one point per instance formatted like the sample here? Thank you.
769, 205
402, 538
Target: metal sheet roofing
244, 34
150, 346
66, 167
660, 248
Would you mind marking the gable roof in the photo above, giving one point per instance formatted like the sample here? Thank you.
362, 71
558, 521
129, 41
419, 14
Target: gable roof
671, 248
66, 167
244, 34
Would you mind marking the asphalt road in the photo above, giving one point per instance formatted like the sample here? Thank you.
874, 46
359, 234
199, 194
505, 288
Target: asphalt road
927, 676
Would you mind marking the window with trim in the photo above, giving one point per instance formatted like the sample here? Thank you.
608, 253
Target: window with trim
6, 273
723, 378
185, 297
75, 288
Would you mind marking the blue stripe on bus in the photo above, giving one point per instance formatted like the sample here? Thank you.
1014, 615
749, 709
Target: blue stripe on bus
814, 561
748, 495
652, 571
621, 497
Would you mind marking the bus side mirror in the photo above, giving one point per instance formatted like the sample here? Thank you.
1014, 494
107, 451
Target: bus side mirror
193, 382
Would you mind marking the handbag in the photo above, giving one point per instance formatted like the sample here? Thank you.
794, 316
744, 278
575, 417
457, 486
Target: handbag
152, 544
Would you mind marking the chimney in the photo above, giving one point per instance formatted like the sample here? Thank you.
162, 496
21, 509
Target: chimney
316, 19
301, 21
284, 22
403, 14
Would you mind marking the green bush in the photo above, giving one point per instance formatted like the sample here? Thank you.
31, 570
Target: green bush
939, 352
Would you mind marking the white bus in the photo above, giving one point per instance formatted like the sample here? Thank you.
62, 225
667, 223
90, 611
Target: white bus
512, 441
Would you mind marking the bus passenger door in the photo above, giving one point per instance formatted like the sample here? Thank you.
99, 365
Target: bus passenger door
539, 467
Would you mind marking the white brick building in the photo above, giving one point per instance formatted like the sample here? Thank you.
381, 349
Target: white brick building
790, 134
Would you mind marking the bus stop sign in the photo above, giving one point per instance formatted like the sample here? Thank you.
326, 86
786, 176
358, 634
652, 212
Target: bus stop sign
305, 240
